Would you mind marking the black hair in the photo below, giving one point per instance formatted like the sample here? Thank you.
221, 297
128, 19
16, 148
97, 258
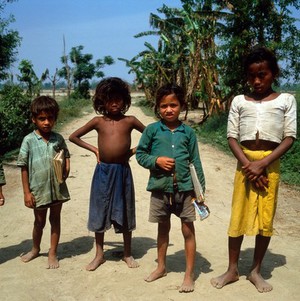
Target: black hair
261, 54
107, 90
168, 89
45, 104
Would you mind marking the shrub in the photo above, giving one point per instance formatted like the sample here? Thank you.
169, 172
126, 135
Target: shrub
15, 117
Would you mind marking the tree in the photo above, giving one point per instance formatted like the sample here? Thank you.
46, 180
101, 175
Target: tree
9, 41
82, 69
202, 45
30, 79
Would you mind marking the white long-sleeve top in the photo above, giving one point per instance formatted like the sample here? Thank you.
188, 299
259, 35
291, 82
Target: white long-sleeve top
271, 120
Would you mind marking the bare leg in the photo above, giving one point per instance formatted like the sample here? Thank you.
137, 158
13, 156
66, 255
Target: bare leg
162, 246
131, 263
261, 246
54, 219
99, 257
37, 233
232, 273
188, 232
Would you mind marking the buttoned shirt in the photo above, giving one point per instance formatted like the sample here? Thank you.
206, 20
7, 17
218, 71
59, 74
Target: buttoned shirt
272, 120
37, 155
181, 144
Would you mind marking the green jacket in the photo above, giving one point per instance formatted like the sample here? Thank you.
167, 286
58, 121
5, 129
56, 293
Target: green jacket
181, 144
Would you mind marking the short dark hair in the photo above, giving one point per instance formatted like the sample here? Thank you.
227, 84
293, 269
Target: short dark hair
107, 89
168, 89
260, 54
45, 104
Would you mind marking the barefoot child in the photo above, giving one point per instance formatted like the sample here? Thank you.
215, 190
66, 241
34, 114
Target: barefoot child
112, 200
166, 148
2, 183
261, 128
41, 189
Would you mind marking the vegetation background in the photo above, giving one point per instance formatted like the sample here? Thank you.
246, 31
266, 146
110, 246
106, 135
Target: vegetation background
201, 46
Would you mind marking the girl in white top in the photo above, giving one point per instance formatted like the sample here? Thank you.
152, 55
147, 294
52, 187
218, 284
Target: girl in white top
261, 128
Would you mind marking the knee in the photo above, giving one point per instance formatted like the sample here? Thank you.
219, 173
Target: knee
54, 219
40, 224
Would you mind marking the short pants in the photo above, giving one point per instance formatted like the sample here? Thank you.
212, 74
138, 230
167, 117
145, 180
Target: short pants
163, 204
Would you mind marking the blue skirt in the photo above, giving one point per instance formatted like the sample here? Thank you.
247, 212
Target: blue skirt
112, 199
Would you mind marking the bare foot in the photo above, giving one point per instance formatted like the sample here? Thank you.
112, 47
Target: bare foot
155, 275
188, 285
95, 263
131, 263
226, 278
53, 262
30, 255
260, 283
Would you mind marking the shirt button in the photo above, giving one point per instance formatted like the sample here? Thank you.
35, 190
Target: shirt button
173, 146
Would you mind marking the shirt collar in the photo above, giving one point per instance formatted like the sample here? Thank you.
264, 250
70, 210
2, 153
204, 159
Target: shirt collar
180, 128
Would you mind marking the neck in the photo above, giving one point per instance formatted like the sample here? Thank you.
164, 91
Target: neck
262, 96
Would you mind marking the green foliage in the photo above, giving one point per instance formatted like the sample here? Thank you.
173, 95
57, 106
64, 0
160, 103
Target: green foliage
214, 130
71, 108
15, 117
9, 41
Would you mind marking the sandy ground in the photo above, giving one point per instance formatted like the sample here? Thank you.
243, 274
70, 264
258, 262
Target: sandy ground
114, 280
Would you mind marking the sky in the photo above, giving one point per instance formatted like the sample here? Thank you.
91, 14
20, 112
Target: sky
103, 27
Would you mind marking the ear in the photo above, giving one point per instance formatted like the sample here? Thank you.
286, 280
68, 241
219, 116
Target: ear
33, 120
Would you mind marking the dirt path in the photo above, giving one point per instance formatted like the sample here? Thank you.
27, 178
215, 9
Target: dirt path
113, 280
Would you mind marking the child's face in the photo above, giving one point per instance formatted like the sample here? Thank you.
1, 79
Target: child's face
260, 77
169, 108
114, 106
44, 122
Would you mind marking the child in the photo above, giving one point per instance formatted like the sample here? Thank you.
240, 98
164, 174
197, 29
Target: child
2, 183
112, 200
40, 186
264, 123
166, 148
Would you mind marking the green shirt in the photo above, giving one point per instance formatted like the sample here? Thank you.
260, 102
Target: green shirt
2, 176
181, 144
37, 155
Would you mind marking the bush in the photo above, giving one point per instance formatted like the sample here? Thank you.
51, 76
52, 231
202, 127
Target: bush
15, 120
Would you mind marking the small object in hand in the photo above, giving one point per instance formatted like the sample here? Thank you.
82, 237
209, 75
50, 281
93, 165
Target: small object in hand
202, 209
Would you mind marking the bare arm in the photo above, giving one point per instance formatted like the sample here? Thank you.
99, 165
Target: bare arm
75, 137
66, 168
29, 200
137, 125
2, 198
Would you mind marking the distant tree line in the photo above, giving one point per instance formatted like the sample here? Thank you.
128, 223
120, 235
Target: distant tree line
201, 46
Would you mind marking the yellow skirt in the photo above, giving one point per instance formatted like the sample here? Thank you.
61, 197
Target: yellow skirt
253, 210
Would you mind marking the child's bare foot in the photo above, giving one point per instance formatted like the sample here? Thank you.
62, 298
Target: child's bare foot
155, 275
30, 255
188, 285
226, 278
261, 284
53, 262
131, 263
95, 263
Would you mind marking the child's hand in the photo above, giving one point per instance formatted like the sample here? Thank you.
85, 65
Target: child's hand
262, 182
2, 198
253, 170
29, 200
165, 163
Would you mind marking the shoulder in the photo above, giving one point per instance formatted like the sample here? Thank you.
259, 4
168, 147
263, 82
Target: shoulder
287, 97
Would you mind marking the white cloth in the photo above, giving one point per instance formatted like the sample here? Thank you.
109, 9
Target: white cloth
273, 120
